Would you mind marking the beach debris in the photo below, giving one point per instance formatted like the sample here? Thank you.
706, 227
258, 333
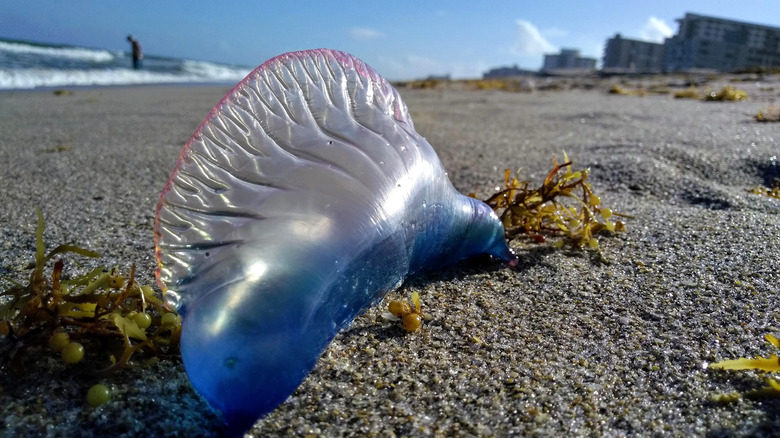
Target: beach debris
619, 90
411, 315
658, 89
516, 85
769, 114
563, 205
87, 312
510, 84
773, 192
726, 94
424, 84
769, 364
640, 90
60, 147
689, 93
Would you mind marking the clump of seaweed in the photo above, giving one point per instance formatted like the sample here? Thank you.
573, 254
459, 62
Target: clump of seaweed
488, 84
774, 192
726, 94
425, 84
546, 211
689, 93
617, 89
769, 364
98, 308
769, 114
61, 147
640, 90
537, 213
658, 89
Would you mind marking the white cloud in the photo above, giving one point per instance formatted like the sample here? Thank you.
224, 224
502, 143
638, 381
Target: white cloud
365, 33
555, 32
530, 41
655, 30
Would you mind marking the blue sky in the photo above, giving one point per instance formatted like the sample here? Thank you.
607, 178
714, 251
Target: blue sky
401, 39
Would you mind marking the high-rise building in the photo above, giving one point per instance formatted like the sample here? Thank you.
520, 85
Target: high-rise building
567, 59
624, 55
708, 43
503, 72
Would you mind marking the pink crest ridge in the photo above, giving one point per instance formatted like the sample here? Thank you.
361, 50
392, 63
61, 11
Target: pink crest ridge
349, 62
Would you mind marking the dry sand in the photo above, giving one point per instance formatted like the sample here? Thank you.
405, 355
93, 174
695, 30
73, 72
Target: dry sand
562, 345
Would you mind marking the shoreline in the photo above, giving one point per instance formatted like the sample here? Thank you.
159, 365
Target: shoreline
676, 81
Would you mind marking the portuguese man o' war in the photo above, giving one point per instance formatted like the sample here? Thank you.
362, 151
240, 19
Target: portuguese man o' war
304, 198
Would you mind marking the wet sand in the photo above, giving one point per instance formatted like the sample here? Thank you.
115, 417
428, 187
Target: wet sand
562, 345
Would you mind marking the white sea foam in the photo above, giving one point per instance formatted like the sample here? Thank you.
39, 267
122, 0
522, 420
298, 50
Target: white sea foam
33, 78
92, 55
213, 71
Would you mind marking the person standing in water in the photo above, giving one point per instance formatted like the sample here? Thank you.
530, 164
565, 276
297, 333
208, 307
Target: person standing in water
138, 54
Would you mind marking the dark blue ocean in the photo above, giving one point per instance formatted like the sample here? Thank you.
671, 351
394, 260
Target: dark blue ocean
25, 65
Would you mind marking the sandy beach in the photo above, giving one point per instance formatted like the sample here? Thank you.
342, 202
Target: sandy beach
562, 345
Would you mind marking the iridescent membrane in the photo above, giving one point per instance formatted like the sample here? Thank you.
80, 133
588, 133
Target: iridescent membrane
304, 197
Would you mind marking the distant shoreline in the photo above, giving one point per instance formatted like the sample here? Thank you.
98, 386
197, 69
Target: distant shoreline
759, 86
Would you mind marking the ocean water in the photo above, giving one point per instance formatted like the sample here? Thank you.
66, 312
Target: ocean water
25, 65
